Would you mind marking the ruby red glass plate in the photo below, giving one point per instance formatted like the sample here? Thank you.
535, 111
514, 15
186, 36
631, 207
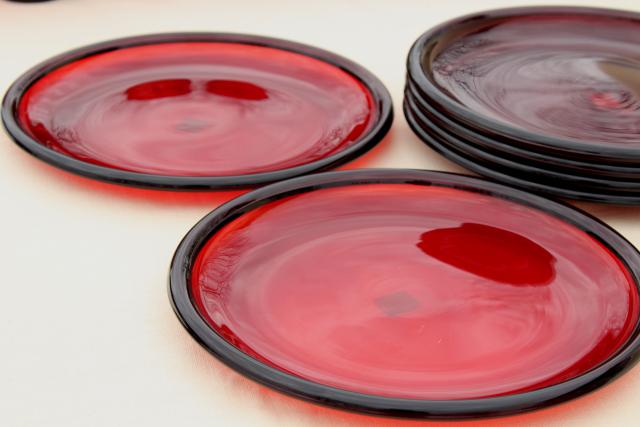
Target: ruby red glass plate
410, 293
561, 79
197, 110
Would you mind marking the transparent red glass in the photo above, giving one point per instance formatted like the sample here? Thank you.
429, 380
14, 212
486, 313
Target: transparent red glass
551, 74
412, 291
558, 80
198, 109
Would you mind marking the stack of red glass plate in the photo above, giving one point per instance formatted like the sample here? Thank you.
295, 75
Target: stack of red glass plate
546, 99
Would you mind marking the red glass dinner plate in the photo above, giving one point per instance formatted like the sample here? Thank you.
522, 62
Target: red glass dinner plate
562, 80
197, 110
410, 293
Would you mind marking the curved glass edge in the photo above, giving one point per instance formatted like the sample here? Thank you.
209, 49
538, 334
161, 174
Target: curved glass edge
521, 169
525, 185
498, 144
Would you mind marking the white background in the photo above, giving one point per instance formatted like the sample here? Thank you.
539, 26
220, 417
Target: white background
88, 337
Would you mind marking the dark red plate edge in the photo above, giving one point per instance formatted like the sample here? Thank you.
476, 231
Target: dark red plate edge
379, 93
513, 150
187, 313
535, 141
494, 174
521, 169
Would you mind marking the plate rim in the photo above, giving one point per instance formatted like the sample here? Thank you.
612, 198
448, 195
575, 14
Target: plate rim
454, 155
584, 182
618, 172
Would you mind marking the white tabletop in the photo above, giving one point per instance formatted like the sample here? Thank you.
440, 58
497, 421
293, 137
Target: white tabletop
88, 335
